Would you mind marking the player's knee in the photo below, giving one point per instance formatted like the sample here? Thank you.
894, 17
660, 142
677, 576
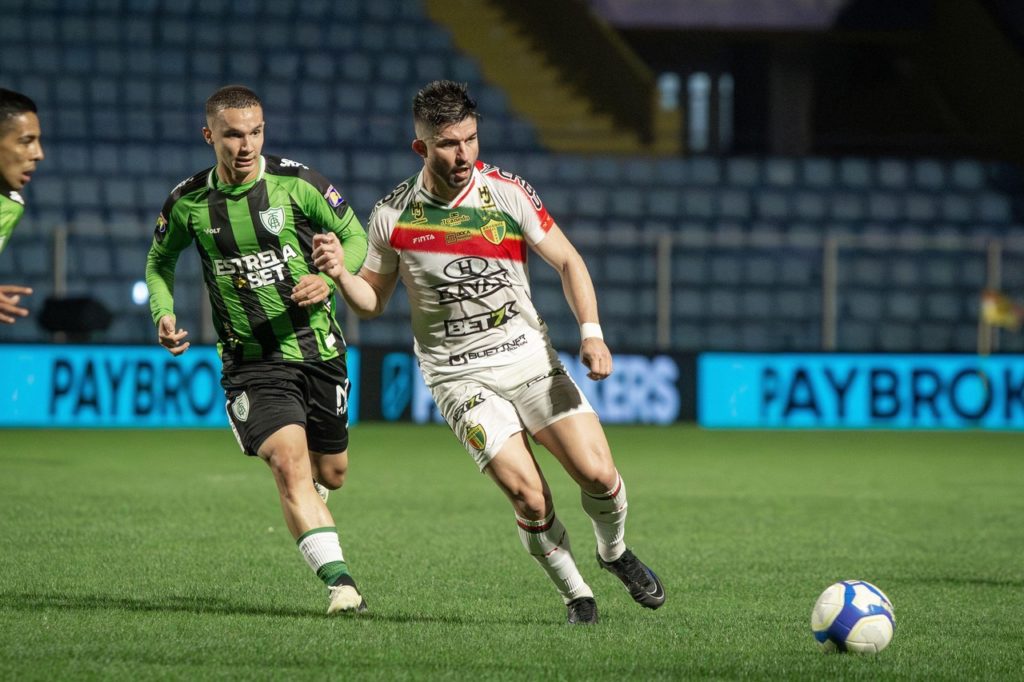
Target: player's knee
532, 503
599, 475
332, 476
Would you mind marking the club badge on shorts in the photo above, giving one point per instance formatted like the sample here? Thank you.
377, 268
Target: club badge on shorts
240, 407
476, 436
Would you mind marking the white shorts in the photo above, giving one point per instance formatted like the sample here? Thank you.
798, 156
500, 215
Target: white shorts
485, 406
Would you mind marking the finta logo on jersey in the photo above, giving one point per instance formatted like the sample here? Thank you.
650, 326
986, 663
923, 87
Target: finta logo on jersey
256, 269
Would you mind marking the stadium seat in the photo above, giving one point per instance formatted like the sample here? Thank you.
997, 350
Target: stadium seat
670, 172
704, 170
780, 172
921, 207
929, 174
956, 208
967, 175
818, 172
855, 336
771, 205
883, 206
743, 172
698, 203
893, 174
854, 173
735, 203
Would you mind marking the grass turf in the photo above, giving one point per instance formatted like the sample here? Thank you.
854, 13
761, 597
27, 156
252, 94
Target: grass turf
133, 554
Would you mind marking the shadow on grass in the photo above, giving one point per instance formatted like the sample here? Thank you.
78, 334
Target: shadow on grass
27, 601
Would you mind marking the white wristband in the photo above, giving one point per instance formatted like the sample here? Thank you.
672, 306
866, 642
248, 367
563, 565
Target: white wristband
590, 329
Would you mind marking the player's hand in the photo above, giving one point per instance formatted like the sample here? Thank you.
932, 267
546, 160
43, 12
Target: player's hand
10, 297
169, 338
310, 289
328, 255
594, 354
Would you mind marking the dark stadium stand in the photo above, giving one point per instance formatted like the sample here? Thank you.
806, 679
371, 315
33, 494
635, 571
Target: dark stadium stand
121, 83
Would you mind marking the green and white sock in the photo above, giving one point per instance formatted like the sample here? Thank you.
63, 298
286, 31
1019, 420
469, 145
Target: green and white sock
322, 551
608, 514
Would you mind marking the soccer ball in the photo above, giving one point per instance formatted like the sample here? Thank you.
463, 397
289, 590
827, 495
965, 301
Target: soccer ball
853, 616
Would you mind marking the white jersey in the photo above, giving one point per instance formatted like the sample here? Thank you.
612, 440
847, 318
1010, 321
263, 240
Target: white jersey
464, 265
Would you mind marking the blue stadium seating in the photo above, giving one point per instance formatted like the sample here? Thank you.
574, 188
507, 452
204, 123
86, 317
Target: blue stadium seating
121, 84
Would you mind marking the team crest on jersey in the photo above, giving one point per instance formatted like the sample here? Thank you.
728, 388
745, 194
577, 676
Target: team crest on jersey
476, 436
240, 407
494, 231
273, 219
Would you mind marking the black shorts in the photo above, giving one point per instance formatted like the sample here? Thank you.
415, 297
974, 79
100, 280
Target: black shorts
263, 397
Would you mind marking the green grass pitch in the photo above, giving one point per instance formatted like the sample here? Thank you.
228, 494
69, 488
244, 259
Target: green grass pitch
163, 554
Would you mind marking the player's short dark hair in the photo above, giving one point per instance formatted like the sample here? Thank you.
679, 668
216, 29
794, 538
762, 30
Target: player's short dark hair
442, 103
231, 97
14, 104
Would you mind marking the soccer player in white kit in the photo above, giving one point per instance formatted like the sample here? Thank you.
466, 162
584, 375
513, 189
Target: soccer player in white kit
457, 233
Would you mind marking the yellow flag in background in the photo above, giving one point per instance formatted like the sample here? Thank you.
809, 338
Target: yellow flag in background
999, 310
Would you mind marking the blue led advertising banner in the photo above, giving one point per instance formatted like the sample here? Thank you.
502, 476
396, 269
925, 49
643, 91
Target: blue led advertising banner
643, 389
860, 391
119, 386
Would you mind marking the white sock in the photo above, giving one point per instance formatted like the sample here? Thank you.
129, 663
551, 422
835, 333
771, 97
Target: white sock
547, 541
608, 514
322, 551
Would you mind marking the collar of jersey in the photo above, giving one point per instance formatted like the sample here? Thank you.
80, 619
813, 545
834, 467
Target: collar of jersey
459, 198
214, 182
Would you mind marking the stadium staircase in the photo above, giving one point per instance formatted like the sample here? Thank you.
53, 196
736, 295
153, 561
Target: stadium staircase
583, 90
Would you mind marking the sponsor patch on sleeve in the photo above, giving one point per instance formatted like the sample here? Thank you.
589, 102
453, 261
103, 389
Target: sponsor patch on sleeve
333, 197
161, 228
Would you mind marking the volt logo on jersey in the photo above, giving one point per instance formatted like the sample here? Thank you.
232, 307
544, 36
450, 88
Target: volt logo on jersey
273, 219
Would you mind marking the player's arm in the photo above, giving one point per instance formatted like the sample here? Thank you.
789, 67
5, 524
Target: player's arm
559, 253
326, 208
169, 240
367, 292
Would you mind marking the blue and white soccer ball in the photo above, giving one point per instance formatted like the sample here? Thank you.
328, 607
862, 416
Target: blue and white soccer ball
854, 616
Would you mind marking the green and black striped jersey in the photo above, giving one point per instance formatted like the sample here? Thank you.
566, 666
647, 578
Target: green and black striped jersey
255, 242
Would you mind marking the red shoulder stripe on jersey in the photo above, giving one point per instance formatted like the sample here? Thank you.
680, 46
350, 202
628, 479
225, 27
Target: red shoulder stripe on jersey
545, 219
457, 242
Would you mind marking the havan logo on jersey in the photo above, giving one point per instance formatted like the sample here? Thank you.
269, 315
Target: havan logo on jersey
472, 278
474, 324
256, 270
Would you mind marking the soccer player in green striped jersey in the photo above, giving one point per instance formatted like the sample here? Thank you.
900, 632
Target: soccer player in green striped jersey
252, 219
20, 152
